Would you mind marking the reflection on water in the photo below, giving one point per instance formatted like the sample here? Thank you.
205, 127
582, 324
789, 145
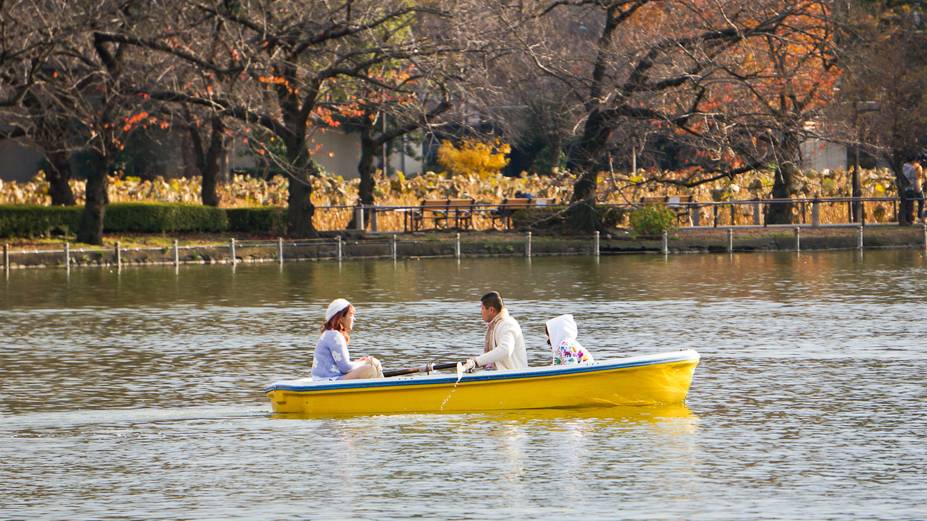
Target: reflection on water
138, 393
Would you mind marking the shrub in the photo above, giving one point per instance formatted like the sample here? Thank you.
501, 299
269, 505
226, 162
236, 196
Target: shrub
484, 159
38, 221
265, 219
543, 216
651, 221
551, 216
164, 217
611, 216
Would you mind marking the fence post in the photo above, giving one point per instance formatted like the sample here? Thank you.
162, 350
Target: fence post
395, 246
797, 238
756, 213
457, 246
924, 226
714, 211
733, 214
696, 211
664, 246
359, 217
339, 247
596, 244
815, 212
176, 254
373, 218
232, 250
859, 240
118, 254
528, 244
67, 255
6, 253
730, 240
280, 250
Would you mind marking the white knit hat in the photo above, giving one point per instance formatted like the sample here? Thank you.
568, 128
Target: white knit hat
337, 305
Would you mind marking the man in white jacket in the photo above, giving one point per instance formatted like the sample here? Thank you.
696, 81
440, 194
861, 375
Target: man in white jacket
504, 346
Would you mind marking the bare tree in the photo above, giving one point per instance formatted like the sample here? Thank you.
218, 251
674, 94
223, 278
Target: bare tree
884, 87
74, 100
659, 62
27, 39
381, 118
278, 62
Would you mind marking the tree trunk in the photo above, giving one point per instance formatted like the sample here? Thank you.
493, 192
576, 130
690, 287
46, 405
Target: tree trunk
582, 217
299, 205
783, 184
211, 161
58, 173
365, 169
91, 222
208, 160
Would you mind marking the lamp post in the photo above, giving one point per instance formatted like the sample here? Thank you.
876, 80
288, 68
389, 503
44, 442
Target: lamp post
385, 147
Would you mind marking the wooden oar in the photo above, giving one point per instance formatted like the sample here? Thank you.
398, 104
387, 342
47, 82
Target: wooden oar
427, 368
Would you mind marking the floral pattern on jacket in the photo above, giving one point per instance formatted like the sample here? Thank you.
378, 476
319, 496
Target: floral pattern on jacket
571, 352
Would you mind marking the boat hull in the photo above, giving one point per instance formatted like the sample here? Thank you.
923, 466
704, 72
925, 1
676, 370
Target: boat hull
651, 380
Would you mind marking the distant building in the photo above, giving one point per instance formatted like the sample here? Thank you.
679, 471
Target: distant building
336, 152
817, 154
168, 155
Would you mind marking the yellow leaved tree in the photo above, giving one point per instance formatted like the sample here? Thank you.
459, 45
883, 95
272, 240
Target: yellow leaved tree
485, 159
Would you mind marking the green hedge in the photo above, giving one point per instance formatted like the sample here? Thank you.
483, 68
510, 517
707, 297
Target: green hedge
39, 221
164, 217
261, 219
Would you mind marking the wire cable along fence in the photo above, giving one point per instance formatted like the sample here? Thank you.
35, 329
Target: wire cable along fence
337, 248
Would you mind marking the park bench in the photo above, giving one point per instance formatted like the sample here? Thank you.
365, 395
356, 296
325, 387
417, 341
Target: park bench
503, 213
441, 211
679, 204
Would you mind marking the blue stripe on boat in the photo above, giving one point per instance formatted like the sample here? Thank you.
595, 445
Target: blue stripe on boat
678, 356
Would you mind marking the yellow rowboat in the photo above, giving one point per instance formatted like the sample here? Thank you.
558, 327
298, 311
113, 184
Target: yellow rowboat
661, 379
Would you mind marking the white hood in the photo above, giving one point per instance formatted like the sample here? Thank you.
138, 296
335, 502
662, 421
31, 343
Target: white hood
561, 328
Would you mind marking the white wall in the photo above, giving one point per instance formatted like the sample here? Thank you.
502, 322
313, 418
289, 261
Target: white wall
818, 155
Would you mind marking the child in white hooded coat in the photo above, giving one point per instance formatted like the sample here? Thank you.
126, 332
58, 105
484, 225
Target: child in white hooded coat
561, 336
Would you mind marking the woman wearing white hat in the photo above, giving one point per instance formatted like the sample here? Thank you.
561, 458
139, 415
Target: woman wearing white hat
332, 360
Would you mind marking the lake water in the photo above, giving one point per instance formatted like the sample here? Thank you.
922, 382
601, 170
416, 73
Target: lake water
137, 394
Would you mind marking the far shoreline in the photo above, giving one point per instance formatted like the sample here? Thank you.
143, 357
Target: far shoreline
160, 249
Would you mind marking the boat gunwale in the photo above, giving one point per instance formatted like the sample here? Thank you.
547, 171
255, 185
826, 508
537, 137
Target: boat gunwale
537, 372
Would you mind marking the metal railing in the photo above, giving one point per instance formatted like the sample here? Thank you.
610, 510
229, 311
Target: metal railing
818, 211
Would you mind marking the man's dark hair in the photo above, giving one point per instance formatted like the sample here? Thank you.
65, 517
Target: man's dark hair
493, 300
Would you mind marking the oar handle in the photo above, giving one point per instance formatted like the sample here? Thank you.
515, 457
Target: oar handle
400, 372
427, 368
